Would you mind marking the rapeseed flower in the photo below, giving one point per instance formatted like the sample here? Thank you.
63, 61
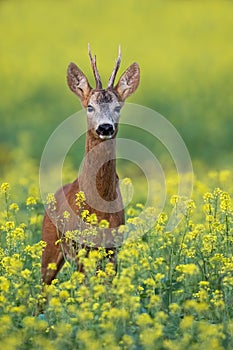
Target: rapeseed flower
80, 199
51, 200
31, 201
66, 215
187, 322
188, 269
10, 225
4, 284
14, 207
170, 289
5, 187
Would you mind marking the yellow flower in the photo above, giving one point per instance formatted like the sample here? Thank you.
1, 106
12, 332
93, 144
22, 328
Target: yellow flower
36, 219
83, 292
149, 336
10, 225
162, 219
14, 207
155, 300
110, 252
95, 306
55, 302
85, 214
204, 284
225, 203
131, 212
186, 322
30, 201
93, 220
103, 224
86, 316
26, 273
159, 277
115, 313
123, 229
2, 300
77, 277
59, 241
190, 205
195, 305
18, 309
110, 269
64, 294
174, 308
69, 235
101, 274
217, 299
137, 221
12, 264
126, 341
202, 295
80, 199
174, 200
23, 225
228, 281
52, 266
18, 233
99, 290
159, 261
208, 197
149, 282
35, 251
66, 215
4, 284
4, 187
29, 321
217, 192
140, 206
51, 199
144, 320
94, 254
188, 269
81, 253
211, 331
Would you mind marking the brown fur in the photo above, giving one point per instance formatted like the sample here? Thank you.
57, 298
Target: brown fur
107, 184
102, 185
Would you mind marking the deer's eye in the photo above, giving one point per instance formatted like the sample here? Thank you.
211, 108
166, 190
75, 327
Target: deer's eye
117, 109
90, 108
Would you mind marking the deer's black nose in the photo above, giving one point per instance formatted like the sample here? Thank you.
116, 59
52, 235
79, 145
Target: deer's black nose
105, 129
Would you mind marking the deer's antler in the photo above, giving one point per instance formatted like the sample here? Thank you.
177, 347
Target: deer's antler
114, 72
95, 70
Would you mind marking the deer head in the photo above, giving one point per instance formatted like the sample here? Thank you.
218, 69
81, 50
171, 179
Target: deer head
103, 106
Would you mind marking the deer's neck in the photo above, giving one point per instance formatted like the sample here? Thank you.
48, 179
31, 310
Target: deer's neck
99, 177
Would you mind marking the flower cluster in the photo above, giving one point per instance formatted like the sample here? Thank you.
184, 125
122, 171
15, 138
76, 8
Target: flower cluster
167, 290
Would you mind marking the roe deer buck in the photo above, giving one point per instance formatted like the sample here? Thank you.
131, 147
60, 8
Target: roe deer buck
98, 179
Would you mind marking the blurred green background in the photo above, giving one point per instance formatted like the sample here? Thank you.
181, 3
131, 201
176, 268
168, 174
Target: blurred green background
184, 49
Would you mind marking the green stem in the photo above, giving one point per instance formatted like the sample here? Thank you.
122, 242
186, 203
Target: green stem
7, 206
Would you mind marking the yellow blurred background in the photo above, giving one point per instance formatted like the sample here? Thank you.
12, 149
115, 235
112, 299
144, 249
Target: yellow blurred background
184, 49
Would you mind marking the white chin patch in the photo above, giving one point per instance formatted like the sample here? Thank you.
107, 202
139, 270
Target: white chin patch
105, 137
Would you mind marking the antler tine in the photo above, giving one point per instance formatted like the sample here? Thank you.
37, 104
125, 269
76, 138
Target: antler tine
113, 75
94, 68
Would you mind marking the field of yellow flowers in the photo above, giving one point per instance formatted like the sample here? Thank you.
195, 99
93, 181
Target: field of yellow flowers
172, 290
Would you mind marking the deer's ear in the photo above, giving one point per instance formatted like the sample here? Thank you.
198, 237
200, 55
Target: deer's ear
128, 82
78, 82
